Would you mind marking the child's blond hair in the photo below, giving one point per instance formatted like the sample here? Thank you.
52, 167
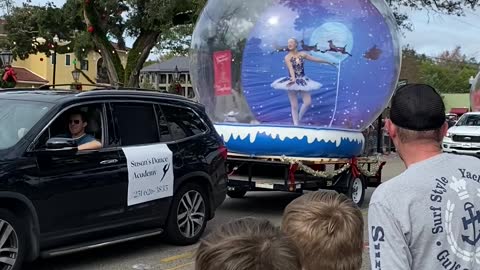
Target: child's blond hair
328, 229
247, 244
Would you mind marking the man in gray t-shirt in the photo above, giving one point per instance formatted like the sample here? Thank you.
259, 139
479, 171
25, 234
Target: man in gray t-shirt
428, 217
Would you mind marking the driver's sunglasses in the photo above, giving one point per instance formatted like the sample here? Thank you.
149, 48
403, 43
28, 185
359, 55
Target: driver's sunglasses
76, 122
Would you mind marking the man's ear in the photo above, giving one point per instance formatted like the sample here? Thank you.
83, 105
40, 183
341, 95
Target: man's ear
444, 129
390, 128
85, 124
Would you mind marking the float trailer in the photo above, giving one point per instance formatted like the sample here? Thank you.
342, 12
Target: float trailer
296, 174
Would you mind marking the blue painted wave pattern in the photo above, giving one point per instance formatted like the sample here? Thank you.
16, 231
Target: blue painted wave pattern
266, 145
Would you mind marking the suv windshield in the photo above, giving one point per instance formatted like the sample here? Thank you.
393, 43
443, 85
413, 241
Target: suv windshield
469, 120
17, 117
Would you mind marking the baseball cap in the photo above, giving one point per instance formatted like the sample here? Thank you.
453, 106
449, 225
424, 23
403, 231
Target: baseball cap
417, 107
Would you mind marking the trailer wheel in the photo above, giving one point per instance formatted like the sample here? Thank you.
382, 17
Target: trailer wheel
236, 194
356, 190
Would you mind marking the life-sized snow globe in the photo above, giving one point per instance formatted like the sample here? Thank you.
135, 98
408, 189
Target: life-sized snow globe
295, 77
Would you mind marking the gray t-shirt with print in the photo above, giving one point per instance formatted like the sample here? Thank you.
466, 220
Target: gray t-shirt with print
428, 217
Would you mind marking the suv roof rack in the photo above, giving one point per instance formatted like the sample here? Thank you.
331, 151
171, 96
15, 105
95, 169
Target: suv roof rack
50, 86
98, 88
25, 89
131, 91
127, 90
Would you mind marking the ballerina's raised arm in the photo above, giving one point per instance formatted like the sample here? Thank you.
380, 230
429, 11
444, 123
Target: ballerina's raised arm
314, 59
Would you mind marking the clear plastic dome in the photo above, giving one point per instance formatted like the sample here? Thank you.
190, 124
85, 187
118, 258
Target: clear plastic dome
327, 64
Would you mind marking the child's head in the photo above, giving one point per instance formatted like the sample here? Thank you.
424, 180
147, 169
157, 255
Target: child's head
247, 244
328, 229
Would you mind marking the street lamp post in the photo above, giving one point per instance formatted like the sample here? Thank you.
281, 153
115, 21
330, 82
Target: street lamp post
55, 43
7, 57
76, 75
76, 78
176, 76
8, 79
176, 73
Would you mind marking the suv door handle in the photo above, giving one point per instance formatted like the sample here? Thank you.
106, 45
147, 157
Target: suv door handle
108, 161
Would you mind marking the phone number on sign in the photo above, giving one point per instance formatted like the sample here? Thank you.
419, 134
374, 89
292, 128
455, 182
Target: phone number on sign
150, 191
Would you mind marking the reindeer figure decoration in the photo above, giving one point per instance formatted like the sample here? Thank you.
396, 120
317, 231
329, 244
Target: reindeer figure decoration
333, 48
306, 47
279, 49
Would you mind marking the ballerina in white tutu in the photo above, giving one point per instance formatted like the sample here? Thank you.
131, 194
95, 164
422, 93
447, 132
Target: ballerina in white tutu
297, 82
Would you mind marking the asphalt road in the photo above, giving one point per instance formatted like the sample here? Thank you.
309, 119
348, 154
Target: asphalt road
152, 253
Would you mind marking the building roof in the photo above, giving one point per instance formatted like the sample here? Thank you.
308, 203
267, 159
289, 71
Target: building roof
182, 62
26, 76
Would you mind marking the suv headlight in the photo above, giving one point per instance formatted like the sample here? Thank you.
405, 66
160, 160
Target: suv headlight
449, 135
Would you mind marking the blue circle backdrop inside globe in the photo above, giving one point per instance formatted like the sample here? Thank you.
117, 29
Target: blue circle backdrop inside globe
353, 35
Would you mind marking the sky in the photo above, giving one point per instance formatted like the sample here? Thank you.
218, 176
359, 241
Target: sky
432, 34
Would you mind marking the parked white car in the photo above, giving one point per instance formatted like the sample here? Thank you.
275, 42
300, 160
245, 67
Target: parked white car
464, 136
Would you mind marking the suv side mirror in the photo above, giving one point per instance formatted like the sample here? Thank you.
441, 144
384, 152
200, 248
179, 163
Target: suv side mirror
62, 145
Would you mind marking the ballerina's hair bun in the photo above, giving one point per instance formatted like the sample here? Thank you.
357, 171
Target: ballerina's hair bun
294, 39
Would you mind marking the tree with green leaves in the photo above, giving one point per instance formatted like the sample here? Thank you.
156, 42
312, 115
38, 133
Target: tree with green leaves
91, 25
411, 62
86, 25
175, 42
449, 7
449, 72
180, 39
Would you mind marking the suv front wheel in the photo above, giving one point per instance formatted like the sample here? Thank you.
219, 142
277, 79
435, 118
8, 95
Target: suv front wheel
12, 241
188, 215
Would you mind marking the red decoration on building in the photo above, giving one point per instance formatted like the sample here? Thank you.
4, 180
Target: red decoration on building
90, 29
9, 78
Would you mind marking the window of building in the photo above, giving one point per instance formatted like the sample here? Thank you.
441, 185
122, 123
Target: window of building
183, 78
67, 59
191, 93
163, 78
84, 65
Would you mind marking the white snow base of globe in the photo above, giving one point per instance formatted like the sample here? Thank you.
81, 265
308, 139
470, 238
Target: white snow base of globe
259, 140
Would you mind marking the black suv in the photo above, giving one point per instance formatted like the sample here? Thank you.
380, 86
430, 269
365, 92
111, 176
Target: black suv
154, 165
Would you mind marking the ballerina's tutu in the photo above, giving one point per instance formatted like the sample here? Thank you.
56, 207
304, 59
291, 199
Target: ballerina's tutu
301, 84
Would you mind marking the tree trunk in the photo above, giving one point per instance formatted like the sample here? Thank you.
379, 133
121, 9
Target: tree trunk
138, 55
109, 54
